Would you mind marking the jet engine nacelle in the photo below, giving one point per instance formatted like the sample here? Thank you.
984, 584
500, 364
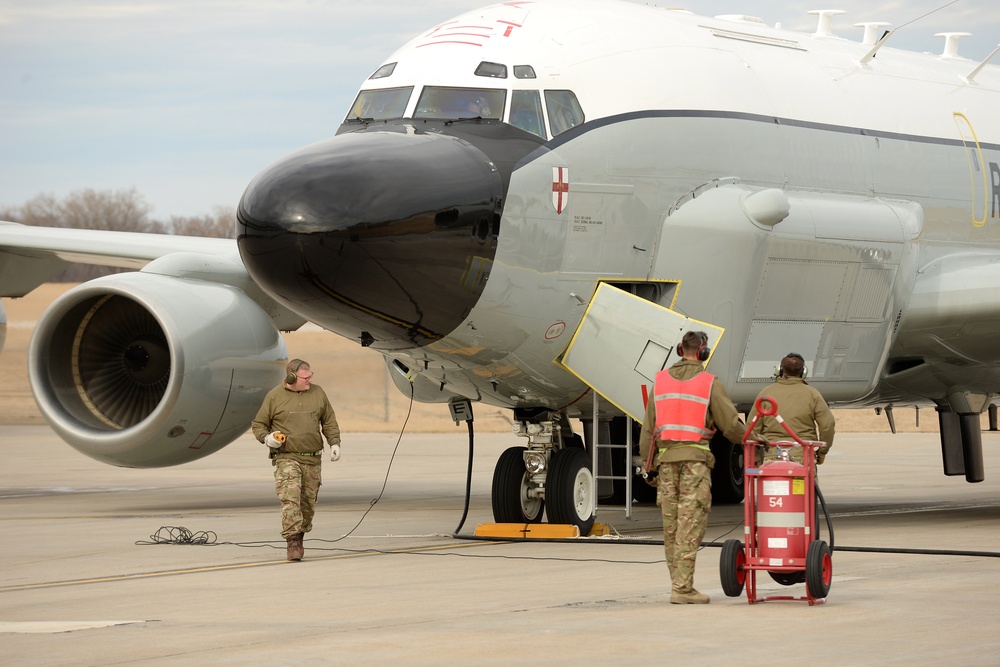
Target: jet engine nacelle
148, 370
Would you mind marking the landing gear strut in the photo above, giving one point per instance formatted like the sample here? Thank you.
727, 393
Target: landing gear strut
549, 475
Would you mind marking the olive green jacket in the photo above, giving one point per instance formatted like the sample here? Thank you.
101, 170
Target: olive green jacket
803, 409
301, 416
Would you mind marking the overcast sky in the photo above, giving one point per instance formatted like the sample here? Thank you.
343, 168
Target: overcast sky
186, 100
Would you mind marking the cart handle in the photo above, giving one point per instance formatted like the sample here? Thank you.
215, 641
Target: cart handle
772, 411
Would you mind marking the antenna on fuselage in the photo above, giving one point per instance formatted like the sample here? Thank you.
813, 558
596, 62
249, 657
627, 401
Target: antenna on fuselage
951, 43
871, 37
824, 27
888, 33
971, 75
878, 45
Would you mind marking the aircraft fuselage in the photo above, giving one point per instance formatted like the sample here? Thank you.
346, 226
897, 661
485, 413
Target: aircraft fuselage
468, 249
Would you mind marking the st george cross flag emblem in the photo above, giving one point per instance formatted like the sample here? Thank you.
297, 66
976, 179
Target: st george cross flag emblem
560, 188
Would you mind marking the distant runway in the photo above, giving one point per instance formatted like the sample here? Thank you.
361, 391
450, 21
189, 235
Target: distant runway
915, 581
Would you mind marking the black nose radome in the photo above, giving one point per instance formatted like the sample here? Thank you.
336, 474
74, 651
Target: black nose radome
387, 231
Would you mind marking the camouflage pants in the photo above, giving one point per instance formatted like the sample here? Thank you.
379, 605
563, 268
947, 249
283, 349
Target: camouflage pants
685, 490
297, 485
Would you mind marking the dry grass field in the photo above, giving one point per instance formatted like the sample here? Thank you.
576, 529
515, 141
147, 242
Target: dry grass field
355, 379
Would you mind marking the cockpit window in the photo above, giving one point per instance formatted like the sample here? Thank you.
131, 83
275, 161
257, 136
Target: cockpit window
451, 103
383, 71
524, 72
564, 110
526, 111
380, 104
494, 70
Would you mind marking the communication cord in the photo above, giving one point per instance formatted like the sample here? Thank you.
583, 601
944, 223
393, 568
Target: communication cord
388, 469
181, 535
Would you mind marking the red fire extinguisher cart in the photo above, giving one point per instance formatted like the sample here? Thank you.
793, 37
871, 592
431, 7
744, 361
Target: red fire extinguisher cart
779, 521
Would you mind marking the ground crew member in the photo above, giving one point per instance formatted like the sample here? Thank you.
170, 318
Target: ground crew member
801, 407
290, 421
687, 405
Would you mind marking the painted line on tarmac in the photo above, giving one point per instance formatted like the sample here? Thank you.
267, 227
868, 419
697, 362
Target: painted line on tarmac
232, 566
56, 627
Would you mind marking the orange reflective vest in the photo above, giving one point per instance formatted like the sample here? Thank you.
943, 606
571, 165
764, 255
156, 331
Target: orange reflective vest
681, 407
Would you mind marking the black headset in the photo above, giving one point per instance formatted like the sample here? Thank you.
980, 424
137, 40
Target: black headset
796, 355
293, 366
704, 352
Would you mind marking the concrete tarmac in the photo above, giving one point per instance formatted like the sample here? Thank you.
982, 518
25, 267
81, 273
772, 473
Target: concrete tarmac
80, 584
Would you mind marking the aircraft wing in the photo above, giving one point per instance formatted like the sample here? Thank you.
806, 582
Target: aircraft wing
31, 255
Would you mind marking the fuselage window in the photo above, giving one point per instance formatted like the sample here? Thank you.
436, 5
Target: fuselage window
564, 110
451, 103
526, 111
380, 104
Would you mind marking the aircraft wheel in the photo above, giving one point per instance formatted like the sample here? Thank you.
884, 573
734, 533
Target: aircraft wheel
570, 490
731, 570
727, 475
819, 569
511, 503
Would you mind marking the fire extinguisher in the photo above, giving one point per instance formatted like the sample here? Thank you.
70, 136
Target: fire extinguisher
781, 513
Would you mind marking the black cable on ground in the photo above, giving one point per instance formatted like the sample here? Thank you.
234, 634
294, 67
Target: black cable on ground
181, 535
468, 479
826, 513
659, 543
388, 469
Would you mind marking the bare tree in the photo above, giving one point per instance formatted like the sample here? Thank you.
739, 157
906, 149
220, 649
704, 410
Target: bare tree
120, 210
114, 210
222, 224
42, 211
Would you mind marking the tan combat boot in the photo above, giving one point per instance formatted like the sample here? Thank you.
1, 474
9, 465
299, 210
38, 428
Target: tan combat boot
691, 597
294, 550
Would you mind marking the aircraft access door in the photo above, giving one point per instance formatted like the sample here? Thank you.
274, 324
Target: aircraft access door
623, 341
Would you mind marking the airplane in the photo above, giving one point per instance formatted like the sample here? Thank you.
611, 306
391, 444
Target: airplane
528, 205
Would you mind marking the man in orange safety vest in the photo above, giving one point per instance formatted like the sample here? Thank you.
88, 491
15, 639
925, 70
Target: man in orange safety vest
688, 405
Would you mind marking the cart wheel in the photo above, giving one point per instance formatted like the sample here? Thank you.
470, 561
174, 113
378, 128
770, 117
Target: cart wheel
731, 570
819, 569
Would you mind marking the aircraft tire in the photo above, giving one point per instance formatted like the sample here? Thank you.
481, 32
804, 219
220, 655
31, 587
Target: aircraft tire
511, 503
731, 571
570, 489
727, 475
819, 569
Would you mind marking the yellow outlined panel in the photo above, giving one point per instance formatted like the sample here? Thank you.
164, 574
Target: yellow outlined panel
980, 184
622, 342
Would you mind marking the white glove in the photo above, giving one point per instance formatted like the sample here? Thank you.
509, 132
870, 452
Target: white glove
274, 440
334, 452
